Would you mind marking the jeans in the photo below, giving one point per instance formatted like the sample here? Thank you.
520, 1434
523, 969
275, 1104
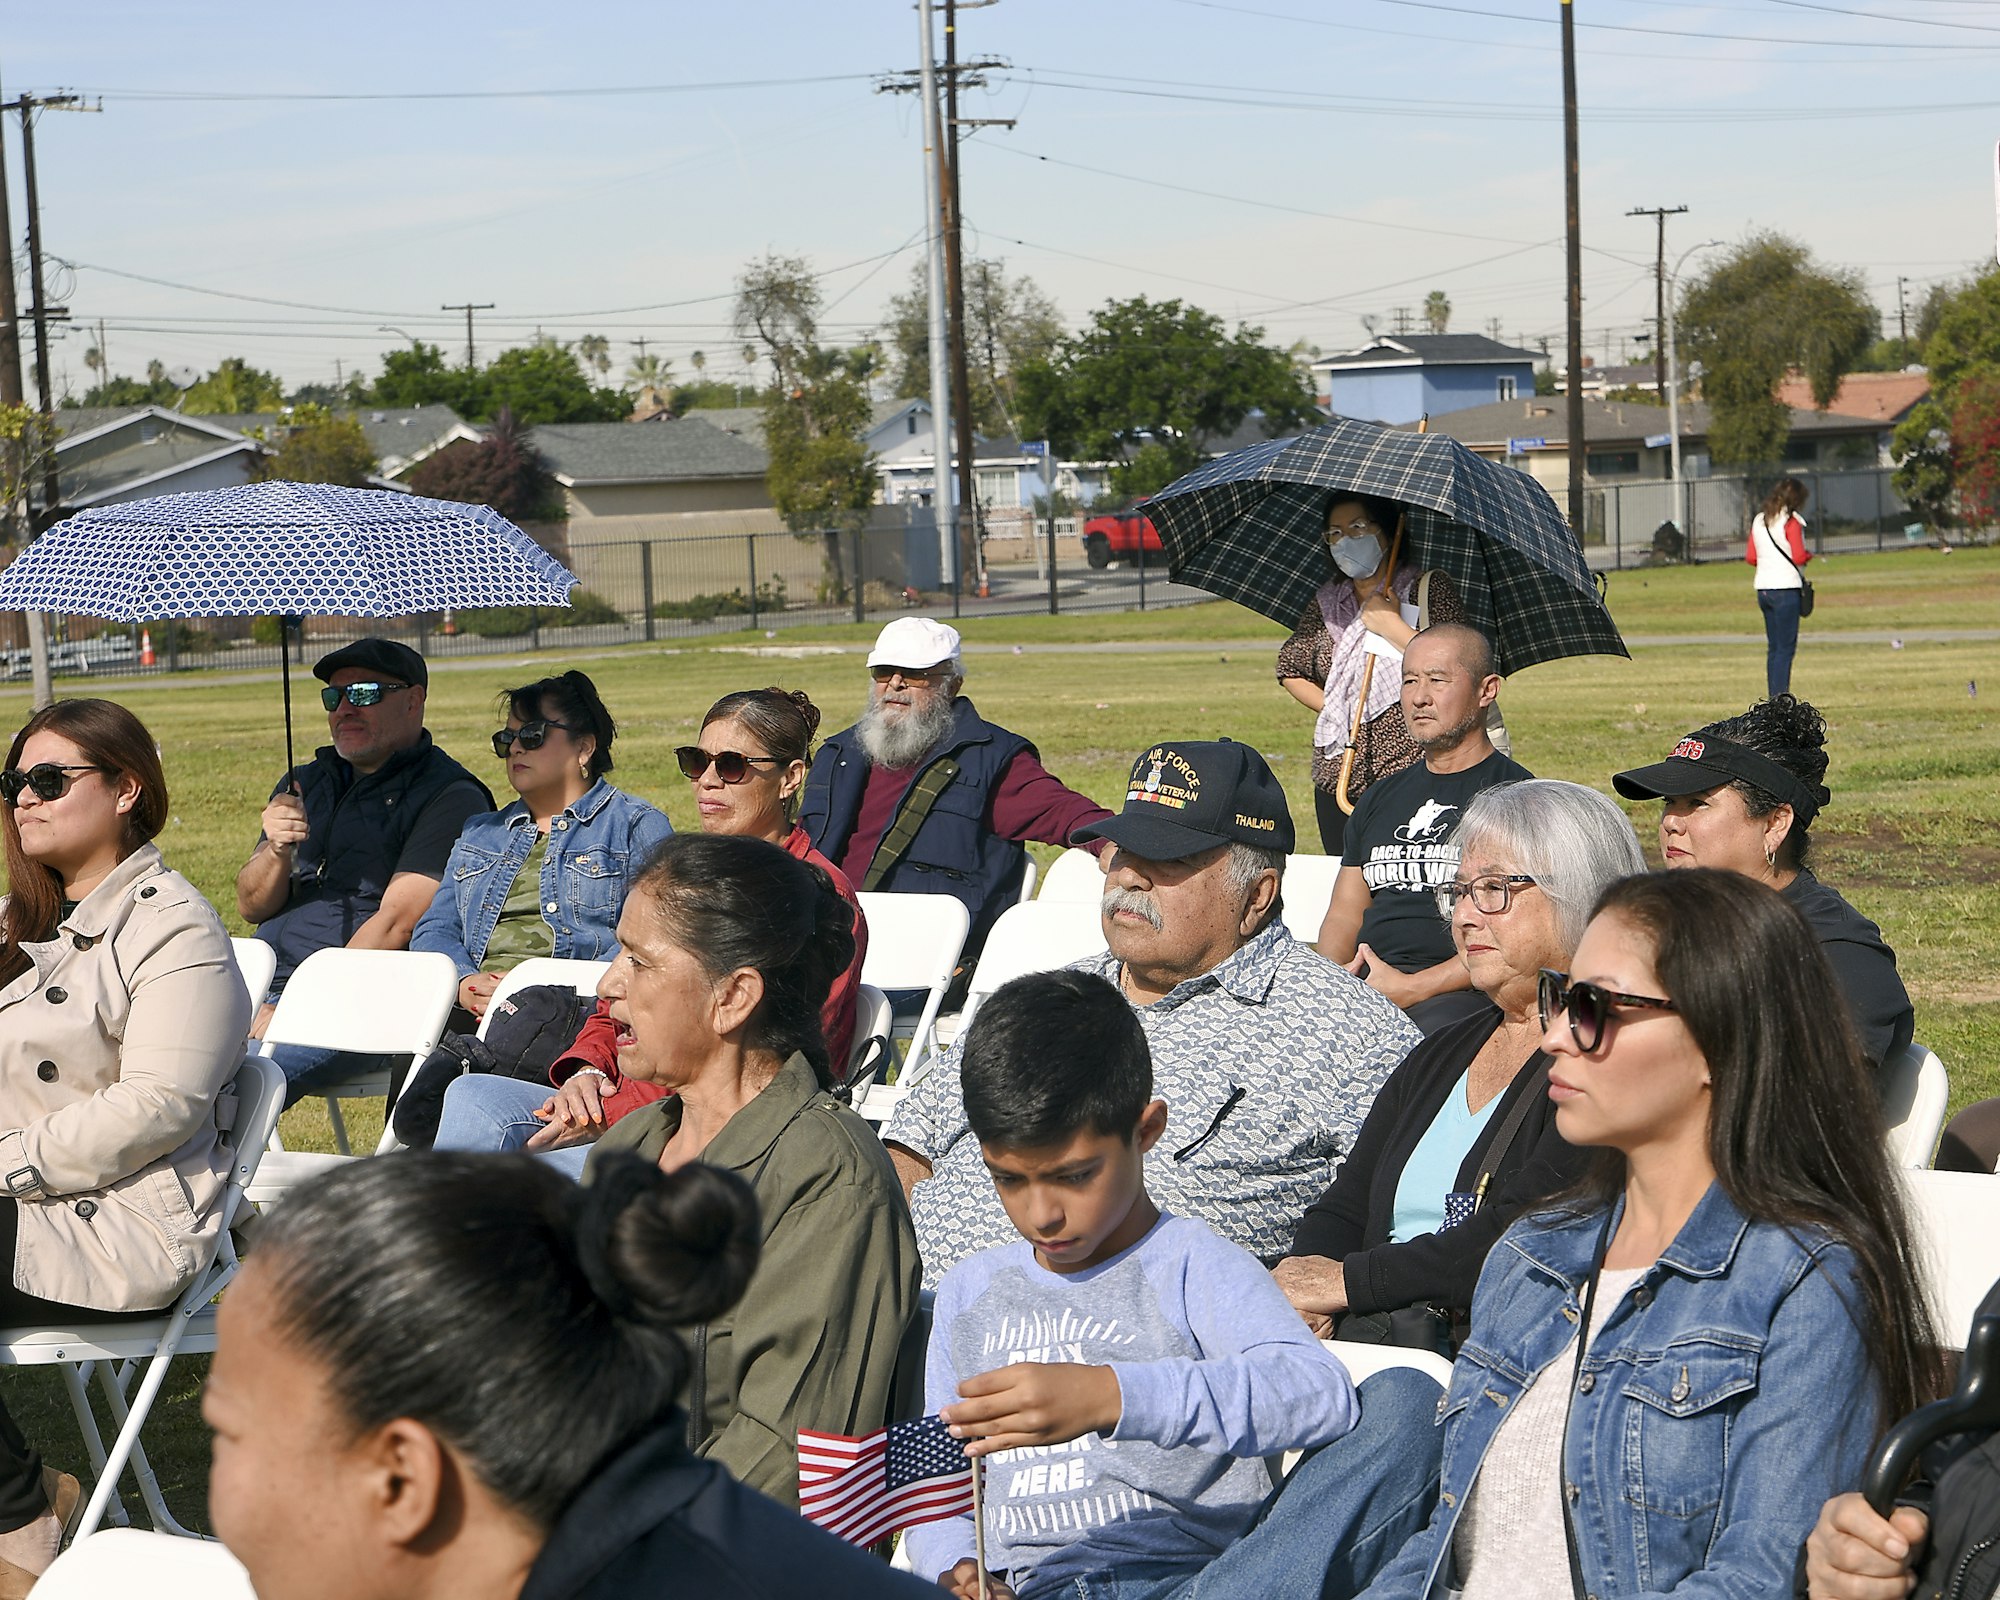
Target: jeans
1781, 637
495, 1115
1325, 1533
311, 1070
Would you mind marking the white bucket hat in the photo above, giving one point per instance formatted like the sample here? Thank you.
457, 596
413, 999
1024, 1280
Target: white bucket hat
914, 642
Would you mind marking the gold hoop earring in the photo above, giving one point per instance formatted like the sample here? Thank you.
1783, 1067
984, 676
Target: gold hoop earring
1770, 857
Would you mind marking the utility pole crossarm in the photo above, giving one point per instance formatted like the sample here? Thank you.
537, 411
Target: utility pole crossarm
468, 308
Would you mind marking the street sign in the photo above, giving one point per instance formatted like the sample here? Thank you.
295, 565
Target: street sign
1034, 447
1658, 441
1520, 447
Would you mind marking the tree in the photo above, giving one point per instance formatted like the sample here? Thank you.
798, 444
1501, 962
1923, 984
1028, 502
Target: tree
821, 476
1009, 323
1975, 446
420, 376
1762, 310
1151, 385
123, 391
1437, 311
234, 388
503, 470
543, 383
1966, 338
645, 371
593, 350
1942, 436
1921, 449
315, 446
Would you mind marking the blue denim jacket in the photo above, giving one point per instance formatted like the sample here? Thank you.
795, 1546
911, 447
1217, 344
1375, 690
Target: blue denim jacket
1722, 1402
595, 846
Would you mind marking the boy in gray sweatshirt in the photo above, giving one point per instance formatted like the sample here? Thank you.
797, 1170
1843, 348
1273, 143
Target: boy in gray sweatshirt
1122, 1370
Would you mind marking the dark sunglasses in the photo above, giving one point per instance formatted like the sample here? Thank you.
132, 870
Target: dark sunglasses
915, 677
731, 766
530, 735
1589, 1006
47, 778
359, 695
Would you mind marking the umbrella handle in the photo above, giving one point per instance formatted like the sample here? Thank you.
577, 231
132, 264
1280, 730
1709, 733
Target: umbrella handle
1361, 705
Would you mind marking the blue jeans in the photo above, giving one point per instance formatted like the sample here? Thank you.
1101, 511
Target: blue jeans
1781, 636
1331, 1526
495, 1115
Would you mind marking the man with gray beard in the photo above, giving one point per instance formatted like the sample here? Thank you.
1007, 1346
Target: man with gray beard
1267, 1054
924, 796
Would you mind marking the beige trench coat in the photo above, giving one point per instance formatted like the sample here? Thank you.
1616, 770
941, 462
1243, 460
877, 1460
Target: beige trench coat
115, 1048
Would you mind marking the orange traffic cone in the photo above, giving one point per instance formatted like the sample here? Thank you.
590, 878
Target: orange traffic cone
146, 657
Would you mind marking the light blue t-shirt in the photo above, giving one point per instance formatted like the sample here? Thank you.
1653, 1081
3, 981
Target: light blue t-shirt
1215, 1370
1432, 1170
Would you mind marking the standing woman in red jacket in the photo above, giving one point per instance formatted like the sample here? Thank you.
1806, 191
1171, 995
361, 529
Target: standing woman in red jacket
1777, 549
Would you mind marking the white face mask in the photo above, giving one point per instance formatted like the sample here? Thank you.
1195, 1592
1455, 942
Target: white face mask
1357, 555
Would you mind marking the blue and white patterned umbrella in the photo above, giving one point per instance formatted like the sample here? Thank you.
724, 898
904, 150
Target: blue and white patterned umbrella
282, 549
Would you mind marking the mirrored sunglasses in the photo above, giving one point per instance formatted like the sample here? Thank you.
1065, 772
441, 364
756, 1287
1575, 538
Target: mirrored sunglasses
360, 695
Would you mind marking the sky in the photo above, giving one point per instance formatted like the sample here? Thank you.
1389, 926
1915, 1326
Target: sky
286, 183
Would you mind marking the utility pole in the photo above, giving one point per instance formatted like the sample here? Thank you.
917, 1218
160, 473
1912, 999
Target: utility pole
1574, 207
10, 369
1402, 314
468, 308
943, 502
1493, 329
640, 342
1660, 214
1902, 311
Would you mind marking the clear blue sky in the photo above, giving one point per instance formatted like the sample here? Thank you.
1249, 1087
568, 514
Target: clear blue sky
1390, 147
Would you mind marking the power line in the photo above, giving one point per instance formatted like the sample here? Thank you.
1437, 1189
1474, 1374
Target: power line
590, 91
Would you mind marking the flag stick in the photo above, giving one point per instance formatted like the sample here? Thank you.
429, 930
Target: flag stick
979, 1523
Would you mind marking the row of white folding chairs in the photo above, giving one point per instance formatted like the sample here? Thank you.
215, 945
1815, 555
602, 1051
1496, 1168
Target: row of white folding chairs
1077, 876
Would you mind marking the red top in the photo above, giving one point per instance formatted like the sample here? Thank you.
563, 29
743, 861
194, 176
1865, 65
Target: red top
1028, 803
1795, 537
596, 1045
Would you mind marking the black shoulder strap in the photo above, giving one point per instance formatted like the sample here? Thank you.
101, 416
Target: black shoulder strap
1576, 1584
909, 818
1503, 1138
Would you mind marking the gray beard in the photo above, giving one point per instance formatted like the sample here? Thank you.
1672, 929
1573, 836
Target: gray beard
1449, 738
909, 738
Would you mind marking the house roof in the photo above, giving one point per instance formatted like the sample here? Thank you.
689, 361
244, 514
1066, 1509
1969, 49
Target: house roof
745, 422
1884, 396
584, 453
399, 435
1431, 350
1606, 422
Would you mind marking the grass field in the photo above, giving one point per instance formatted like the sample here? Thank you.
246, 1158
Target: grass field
1912, 836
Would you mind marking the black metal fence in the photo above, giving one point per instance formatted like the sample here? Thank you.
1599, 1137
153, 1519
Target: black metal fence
1625, 524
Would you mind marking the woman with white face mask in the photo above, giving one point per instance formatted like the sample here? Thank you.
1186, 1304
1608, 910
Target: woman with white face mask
1360, 609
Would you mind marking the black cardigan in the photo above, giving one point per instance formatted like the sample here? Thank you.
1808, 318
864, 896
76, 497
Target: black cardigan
1350, 1222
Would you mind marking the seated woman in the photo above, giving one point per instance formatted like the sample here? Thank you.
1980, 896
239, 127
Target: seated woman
546, 875
747, 771
1462, 1137
1670, 1373
535, 1448
1740, 795
726, 949
122, 1017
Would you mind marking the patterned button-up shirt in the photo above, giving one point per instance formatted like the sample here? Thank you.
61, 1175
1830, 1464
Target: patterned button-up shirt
1268, 1063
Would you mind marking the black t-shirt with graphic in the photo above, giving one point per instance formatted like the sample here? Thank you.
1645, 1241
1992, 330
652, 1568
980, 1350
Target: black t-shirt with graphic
1399, 836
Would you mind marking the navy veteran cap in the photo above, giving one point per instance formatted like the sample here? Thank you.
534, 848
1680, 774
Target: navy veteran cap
1701, 762
1186, 798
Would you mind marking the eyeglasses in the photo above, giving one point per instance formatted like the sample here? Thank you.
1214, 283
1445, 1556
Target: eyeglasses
1360, 528
530, 735
731, 766
359, 695
1589, 1006
47, 778
915, 677
1492, 894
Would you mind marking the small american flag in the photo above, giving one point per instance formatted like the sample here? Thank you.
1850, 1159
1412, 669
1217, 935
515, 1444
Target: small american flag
862, 1490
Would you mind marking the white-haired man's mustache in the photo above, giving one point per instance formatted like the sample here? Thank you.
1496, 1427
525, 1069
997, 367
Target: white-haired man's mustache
1136, 901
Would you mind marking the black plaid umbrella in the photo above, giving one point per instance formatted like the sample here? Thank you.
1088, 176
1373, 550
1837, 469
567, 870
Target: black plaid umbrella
1250, 527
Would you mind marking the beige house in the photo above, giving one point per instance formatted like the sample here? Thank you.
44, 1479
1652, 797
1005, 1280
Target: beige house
658, 479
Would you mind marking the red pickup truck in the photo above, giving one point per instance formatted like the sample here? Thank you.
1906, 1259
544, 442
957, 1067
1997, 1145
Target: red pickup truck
1120, 536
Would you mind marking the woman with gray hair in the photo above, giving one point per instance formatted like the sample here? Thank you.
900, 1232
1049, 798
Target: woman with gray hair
1462, 1138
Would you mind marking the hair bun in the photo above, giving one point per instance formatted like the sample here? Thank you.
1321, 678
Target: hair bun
807, 709
670, 1249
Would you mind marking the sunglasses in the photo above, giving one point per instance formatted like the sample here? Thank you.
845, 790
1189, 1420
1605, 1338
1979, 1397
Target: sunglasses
915, 677
1588, 1005
48, 779
530, 735
359, 695
731, 766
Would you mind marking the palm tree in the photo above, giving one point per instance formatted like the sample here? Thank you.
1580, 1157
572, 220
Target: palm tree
700, 364
646, 370
595, 350
1437, 311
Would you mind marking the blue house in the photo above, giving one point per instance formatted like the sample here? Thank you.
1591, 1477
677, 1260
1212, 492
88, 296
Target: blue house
1412, 375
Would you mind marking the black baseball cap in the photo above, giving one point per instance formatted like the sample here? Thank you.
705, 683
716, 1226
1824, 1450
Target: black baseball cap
386, 656
1701, 762
1187, 797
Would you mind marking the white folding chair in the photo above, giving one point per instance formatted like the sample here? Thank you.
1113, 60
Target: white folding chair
582, 976
1073, 875
114, 1350
1308, 892
125, 1561
258, 963
1915, 1095
874, 1029
913, 943
372, 1002
1957, 1221
1028, 882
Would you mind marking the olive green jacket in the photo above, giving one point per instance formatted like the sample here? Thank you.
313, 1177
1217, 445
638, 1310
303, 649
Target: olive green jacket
814, 1340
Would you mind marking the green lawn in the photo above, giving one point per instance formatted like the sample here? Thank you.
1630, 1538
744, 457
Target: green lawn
1912, 836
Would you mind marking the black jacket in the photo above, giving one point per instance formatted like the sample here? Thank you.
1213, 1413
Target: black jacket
1863, 964
1350, 1222
661, 1523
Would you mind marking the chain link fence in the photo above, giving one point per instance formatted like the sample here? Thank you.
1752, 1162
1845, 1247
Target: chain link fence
1649, 524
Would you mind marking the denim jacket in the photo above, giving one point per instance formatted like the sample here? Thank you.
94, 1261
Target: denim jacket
595, 845
1723, 1401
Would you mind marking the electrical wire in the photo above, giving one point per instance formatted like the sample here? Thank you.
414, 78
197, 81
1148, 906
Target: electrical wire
279, 96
